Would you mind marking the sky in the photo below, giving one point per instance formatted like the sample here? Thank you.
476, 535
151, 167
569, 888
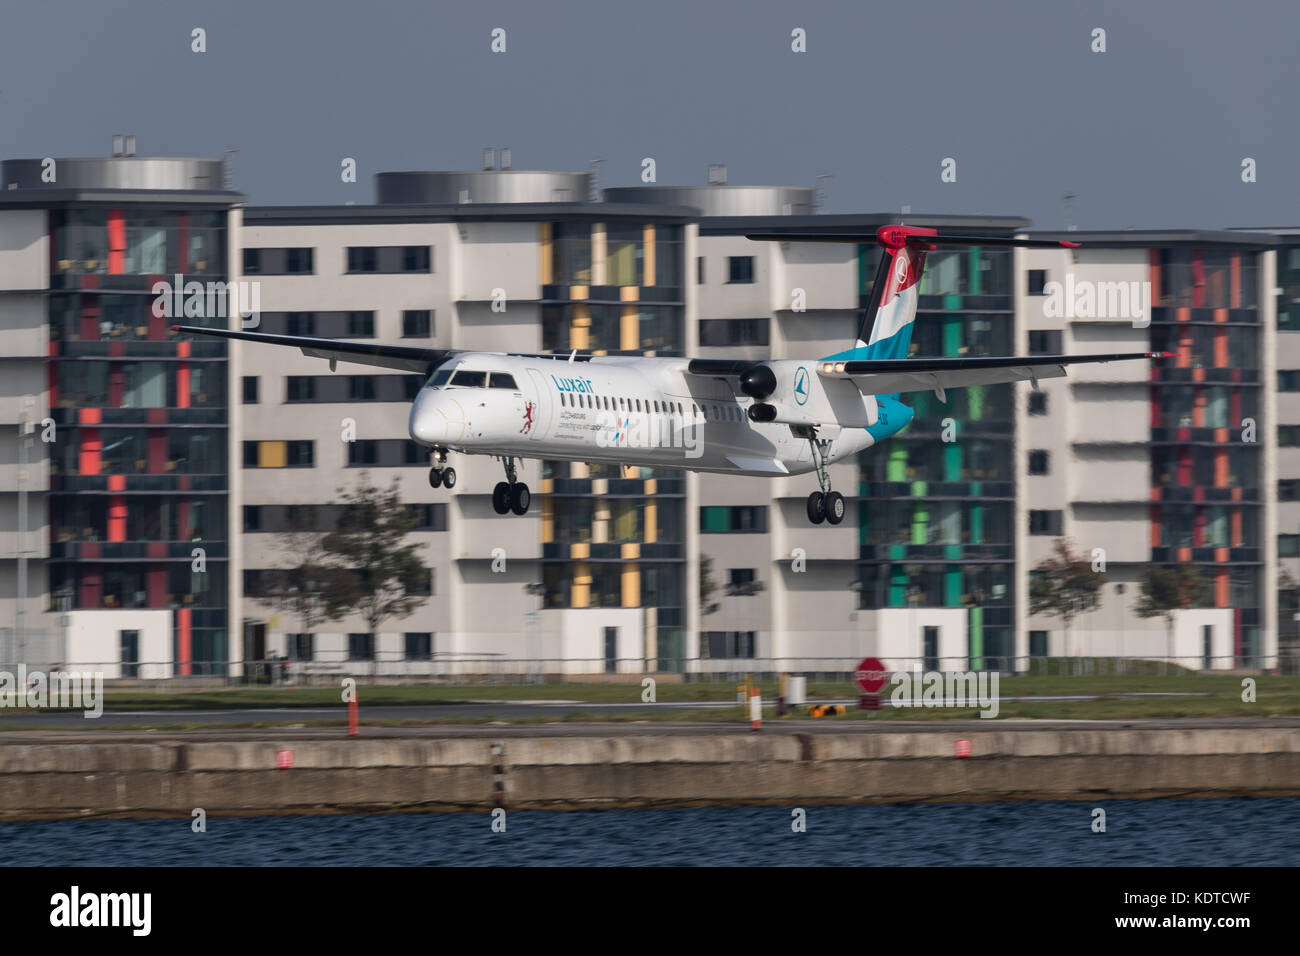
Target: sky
1151, 133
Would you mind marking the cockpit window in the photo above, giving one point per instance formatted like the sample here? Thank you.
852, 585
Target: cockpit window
440, 378
502, 380
469, 379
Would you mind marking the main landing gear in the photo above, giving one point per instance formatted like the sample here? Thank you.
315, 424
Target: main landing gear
511, 495
440, 476
824, 505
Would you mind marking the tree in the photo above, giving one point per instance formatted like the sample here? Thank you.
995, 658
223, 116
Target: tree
391, 580
1164, 590
1064, 585
708, 587
310, 582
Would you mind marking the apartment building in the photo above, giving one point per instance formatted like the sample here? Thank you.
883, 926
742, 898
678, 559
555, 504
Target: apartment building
177, 469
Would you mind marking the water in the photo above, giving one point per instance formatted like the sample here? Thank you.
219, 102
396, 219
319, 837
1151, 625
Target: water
1222, 832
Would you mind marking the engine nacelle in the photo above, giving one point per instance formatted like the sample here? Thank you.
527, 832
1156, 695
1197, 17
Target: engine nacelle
758, 382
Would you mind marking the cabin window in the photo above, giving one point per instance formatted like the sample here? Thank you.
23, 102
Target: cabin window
503, 380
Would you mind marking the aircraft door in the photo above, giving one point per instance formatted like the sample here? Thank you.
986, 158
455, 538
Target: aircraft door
542, 406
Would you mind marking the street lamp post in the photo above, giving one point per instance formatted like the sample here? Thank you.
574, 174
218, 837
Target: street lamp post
1119, 614
536, 589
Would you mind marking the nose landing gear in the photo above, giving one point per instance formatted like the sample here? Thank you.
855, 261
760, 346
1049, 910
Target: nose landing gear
439, 474
511, 495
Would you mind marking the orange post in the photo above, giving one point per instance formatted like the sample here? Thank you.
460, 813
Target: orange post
352, 715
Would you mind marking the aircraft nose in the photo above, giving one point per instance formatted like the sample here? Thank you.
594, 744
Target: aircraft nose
437, 418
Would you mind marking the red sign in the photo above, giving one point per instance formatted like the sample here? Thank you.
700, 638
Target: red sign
870, 675
963, 748
284, 759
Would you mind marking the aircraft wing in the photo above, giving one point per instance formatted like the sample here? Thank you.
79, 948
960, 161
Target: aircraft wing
888, 377
408, 358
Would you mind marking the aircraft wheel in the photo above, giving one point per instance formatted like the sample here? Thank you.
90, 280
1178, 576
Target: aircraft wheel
834, 505
435, 478
501, 498
520, 498
449, 477
816, 507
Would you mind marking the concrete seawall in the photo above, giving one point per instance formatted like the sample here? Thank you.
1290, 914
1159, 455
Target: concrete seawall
89, 776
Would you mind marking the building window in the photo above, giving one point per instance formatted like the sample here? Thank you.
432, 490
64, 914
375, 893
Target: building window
1288, 436
279, 454
415, 259
389, 259
740, 269
733, 519
279, 262
361, 325
733, 332
1037, 643
727, 645
1288, 546
1037, 403
699, 270
300, 388
361, 388
361, 647
417, 323
252, 517
429, 517
1037, 280
1045, 343
363, 452
1288, 381
419, 645
129, 644
1045, 522
1288, 489
363, 259
302, 647
1038, 462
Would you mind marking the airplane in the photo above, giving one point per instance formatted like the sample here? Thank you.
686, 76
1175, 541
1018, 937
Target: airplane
763, 418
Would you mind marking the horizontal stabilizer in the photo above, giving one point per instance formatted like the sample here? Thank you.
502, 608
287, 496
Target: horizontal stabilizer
913, 235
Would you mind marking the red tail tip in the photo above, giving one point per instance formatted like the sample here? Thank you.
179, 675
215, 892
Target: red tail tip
1071, 245
1161, 355
176, 328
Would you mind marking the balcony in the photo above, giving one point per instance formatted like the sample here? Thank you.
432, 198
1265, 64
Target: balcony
880, 490
936, 553
135, 550
206, 415
180, 484
152, 349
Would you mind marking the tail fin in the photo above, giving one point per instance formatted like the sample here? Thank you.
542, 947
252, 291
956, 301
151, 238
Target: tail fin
891, 307
894, 295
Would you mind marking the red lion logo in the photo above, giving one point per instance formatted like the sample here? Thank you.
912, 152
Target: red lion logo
529, 408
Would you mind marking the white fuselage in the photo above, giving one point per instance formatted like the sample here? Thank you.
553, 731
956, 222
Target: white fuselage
631, 411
